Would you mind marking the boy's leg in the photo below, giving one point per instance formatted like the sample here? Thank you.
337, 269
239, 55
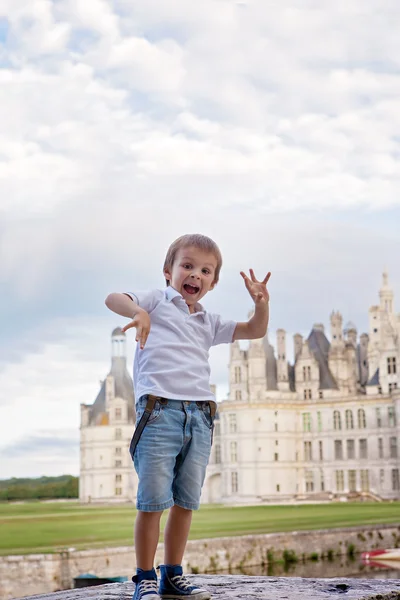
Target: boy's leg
147, 533
154, 459
176, 534
190, 471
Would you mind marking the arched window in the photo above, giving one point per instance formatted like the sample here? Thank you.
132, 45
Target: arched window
337, 422
349, 419
362, 421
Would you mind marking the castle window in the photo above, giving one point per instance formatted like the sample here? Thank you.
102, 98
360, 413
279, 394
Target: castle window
307, 451
393, 447
378, 417
349, 419
118, 451
392, 386
276, 426
118, 434
307, 394
306, 421
232, 423
382, 478
391, 416
118, 413
118, 491
375, 330
352, 481
337, 421
391, 365
338, 450
363, 449
364, 475
395, 480
233, 452
238, 375
322, 480
118, 463
339, 481
380, 447
118, 478
321, 450
238, 395
362, 421
234, 482
278, 488
319, 419
218, 454
351, 452
217, 429
276, 457
321, 394
309, 478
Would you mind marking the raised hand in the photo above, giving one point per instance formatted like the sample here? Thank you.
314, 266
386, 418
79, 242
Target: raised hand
257, 289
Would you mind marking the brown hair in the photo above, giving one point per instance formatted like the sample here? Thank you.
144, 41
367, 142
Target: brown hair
202, 242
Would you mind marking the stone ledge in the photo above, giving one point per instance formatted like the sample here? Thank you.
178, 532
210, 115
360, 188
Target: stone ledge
230, 587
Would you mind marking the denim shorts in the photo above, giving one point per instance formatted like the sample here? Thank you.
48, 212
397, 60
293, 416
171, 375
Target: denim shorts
172, 454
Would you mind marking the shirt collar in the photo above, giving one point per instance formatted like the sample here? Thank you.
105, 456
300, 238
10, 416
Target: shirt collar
171, 293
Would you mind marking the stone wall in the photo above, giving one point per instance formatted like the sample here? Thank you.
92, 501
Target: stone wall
43, 573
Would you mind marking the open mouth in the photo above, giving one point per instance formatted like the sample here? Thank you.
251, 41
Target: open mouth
191, 289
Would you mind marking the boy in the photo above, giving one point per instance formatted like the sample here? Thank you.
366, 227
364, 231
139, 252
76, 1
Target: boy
175, 408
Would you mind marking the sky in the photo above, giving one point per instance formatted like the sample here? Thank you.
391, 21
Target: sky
273, 127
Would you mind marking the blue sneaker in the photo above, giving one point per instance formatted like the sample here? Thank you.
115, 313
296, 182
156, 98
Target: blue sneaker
174, 584
146, 585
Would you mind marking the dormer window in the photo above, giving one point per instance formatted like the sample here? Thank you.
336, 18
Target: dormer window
391, 365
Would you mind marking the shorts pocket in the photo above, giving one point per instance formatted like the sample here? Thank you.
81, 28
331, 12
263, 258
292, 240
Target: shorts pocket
206, 416
156, 412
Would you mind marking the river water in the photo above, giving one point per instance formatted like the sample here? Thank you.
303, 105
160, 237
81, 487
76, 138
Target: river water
339, 567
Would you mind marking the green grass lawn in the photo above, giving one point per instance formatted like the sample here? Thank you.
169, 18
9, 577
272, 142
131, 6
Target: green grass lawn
48, 527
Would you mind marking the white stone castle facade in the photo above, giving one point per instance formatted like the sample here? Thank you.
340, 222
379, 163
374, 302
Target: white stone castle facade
325, 427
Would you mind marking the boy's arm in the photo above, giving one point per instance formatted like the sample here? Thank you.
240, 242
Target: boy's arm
123, 305
256, 327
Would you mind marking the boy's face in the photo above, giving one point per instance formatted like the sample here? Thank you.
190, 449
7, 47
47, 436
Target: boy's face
192, 274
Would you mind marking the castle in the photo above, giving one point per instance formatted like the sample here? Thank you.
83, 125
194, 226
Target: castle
325, 427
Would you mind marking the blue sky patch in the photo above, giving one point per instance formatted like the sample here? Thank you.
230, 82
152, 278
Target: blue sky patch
4, 29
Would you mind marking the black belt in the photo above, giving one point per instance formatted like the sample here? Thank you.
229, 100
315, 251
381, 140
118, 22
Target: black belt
151, 402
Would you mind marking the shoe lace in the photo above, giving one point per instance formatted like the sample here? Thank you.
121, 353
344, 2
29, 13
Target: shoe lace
181, 581
147, 586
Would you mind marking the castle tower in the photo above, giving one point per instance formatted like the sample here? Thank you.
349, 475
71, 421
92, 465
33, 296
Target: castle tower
298, 345
118, 363
338, 360
106, 472
386, 294
363, 359
257, 365
336, 330
282, 363
238, 390
350, 334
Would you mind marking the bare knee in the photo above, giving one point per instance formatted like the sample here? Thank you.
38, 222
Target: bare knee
149, 517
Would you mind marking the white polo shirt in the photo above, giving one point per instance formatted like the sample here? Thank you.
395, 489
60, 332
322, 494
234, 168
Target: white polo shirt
174, 362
